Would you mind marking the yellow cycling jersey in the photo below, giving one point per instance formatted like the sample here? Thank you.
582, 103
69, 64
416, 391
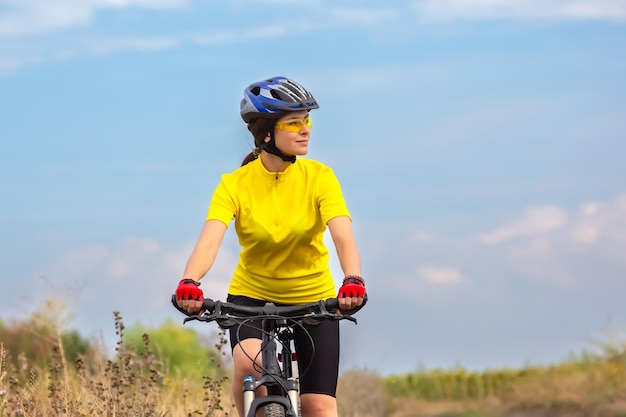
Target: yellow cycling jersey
280, 219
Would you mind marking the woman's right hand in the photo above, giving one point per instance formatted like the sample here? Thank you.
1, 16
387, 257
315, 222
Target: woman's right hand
352, 295
189, 296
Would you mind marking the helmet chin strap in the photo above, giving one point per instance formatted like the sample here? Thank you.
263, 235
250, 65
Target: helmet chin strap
270, 147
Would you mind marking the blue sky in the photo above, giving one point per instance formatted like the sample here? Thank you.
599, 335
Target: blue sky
480, 146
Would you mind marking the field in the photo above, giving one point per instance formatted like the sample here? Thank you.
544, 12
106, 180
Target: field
169, 371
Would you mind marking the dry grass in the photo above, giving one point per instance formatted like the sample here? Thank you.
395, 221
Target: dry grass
593, 386
129, 385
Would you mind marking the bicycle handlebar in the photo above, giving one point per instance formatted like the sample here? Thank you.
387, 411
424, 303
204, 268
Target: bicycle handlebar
229, 314
322, 306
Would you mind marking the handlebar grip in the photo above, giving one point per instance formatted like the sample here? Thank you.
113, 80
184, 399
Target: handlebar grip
208, 304
332, 304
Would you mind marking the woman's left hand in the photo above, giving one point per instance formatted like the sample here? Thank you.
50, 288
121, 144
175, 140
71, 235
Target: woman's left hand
351, 296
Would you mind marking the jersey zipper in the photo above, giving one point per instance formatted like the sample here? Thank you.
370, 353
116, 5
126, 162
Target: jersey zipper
276, 199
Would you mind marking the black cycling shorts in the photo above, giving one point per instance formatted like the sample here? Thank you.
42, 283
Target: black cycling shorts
318, 370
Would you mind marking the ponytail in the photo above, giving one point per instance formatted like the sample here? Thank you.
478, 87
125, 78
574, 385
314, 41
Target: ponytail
260, 128
251, 156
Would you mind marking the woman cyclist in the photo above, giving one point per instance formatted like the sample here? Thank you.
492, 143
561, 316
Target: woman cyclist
281, 207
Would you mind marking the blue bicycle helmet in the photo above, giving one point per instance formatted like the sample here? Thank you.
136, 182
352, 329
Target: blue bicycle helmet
273, 97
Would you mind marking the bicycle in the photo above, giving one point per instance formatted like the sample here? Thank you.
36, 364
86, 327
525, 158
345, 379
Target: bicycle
277, 324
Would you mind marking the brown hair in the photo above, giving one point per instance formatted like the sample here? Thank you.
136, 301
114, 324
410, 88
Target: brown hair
260, 128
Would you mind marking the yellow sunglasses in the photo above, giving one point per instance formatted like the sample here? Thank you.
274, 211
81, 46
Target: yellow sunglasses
294, 125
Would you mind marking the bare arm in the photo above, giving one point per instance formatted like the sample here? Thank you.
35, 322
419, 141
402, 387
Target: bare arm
203, 256
341, 231
343, 237
205, 251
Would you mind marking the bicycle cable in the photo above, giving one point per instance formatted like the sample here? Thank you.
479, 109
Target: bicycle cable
273, 339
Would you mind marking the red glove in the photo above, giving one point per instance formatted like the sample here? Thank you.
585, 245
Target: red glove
188, 290
353, 286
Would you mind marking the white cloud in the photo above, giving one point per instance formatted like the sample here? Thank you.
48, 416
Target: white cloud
577, 247
25, 52
149, 4
122, 261
110, 45
585, 234
534, 221
81, 261
443, 10
135, 276
608, 218
28, 17
33, 17
439, 275
590, 209
27, 20
580, 247
533, 248
136, 266
592, 223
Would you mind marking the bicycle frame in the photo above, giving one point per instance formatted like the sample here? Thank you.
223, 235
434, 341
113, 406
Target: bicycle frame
278, 381
277, 324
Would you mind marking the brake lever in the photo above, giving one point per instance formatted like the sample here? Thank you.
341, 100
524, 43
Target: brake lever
324, 312
343, 317
194, 317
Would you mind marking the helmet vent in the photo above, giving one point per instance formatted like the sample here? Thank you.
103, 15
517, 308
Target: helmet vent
255, 90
